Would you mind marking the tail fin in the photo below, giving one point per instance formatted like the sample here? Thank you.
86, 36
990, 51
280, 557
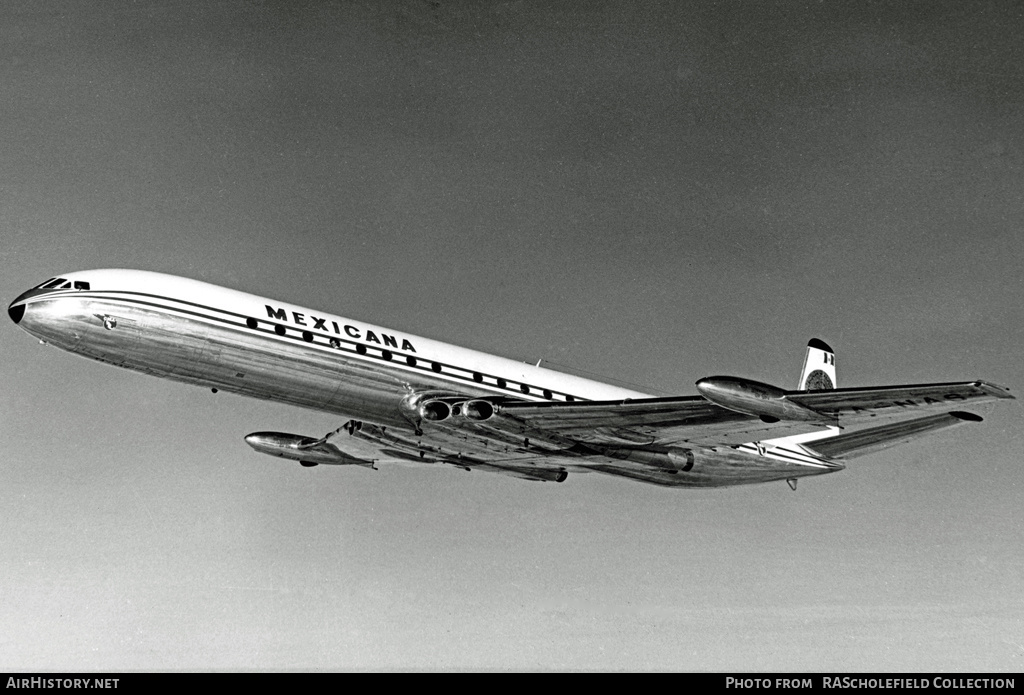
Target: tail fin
819, 372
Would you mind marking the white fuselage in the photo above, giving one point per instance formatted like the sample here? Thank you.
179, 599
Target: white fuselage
207, 335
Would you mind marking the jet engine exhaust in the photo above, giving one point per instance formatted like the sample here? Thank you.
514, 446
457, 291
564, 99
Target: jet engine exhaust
528, 473
550, 476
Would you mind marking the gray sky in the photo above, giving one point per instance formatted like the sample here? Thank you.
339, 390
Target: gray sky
654, 192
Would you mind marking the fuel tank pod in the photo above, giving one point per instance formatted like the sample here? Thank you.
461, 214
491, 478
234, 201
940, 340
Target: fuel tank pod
306, 450
767, 402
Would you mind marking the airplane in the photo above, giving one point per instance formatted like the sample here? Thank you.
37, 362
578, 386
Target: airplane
411, 400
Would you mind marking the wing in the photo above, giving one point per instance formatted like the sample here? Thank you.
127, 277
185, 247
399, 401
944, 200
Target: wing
860, 406
696, 420
685, 441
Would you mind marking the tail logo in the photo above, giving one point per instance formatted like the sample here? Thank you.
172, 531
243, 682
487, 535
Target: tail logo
818, 381
819, 371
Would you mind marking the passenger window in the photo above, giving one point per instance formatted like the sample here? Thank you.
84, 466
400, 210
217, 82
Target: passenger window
411, 361
547, 394
524, 388
502, 383
386, 354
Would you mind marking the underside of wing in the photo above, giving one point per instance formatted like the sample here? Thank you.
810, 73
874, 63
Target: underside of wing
642, 422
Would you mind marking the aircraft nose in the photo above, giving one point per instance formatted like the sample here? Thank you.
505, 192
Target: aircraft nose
16, 309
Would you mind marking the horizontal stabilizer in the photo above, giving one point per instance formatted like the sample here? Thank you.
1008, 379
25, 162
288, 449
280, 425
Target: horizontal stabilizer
873, 439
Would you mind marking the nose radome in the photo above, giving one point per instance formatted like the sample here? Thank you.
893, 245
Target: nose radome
16, 310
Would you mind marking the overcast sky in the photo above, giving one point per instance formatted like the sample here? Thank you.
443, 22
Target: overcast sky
652, 192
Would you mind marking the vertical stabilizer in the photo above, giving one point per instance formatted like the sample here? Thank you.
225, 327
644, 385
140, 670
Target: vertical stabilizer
819, 372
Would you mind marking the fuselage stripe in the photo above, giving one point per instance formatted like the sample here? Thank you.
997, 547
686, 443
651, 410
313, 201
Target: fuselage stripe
325, 343
786, 455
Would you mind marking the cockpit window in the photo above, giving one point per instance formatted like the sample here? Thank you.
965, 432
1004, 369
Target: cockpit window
62, 284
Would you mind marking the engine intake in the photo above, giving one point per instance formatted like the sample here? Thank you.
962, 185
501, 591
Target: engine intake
435, 411
478, 409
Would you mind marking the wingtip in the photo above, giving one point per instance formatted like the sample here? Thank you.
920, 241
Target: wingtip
995, 389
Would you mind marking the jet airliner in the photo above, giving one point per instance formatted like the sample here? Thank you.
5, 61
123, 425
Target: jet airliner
411, 400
